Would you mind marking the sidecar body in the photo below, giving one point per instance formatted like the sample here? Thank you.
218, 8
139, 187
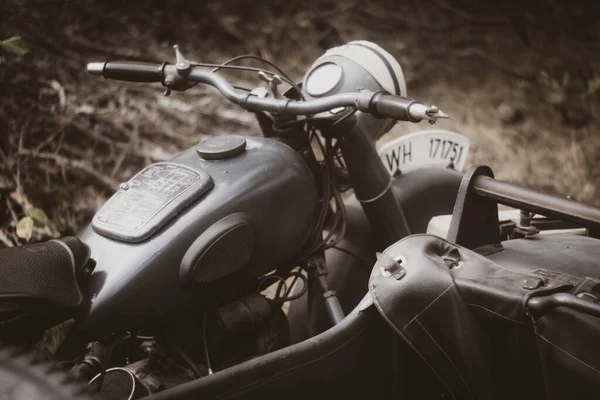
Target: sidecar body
471, 316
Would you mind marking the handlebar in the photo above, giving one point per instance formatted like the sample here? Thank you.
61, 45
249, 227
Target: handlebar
379, 103
130, 71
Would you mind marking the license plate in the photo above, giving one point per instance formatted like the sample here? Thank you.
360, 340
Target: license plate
423, 149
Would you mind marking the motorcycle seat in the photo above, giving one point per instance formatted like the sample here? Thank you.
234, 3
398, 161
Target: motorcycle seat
42, 279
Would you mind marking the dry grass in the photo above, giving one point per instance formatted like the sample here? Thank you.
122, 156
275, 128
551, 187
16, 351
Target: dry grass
66, 156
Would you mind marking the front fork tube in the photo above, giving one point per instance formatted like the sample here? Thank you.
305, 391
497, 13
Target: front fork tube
372, 184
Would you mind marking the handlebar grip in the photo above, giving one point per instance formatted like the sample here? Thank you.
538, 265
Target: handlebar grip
130, 71
395, 107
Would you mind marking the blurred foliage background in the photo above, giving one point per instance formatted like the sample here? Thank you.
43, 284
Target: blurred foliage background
522, 82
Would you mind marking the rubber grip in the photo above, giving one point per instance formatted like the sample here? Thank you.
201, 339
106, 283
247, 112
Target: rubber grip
394, 107
133, 71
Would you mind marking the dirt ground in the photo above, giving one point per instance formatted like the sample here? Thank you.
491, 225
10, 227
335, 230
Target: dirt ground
522, 83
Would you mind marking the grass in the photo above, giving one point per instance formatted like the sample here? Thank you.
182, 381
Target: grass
67, 139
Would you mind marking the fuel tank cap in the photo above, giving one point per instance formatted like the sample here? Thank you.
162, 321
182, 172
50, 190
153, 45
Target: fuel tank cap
221, 147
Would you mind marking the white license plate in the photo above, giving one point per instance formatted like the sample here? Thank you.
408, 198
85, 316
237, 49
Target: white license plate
423, 149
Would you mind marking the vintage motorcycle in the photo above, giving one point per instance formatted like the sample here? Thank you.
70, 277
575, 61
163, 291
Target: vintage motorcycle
240, 269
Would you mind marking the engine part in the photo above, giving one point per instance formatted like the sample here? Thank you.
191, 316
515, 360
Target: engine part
91, 365
151, 374
118, 384
246, 328
238, 318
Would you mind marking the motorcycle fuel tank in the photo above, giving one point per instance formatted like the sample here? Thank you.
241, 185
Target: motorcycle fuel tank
192, 231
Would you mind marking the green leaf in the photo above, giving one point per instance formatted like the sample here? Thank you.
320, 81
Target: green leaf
39, 217
15, 45
51, 229
593, 85
555, 98
25, 228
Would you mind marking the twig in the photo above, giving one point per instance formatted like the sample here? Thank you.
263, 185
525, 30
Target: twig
309, 47
11, 210
105, 181
48, 2
5, 239
481, 54
52, 137
121, 146
166, 130
72, 59
227, 25
20, 146
132, 142
60, 90
81, 44
470, 17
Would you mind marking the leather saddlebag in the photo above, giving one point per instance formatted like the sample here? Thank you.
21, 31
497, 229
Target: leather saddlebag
516, 320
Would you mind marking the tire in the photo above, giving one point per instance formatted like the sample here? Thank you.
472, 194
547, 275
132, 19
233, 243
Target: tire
24, 377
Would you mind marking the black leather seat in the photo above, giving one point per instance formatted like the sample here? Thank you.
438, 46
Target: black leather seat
40, 285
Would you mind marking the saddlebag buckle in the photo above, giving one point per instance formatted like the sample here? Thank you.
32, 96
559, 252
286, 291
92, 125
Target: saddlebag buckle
390, 266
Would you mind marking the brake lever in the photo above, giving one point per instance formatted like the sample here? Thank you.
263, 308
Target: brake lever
272, 83
182, 64
178, 82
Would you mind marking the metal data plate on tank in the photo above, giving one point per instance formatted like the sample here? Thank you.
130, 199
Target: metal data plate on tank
149, 200
425, 148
